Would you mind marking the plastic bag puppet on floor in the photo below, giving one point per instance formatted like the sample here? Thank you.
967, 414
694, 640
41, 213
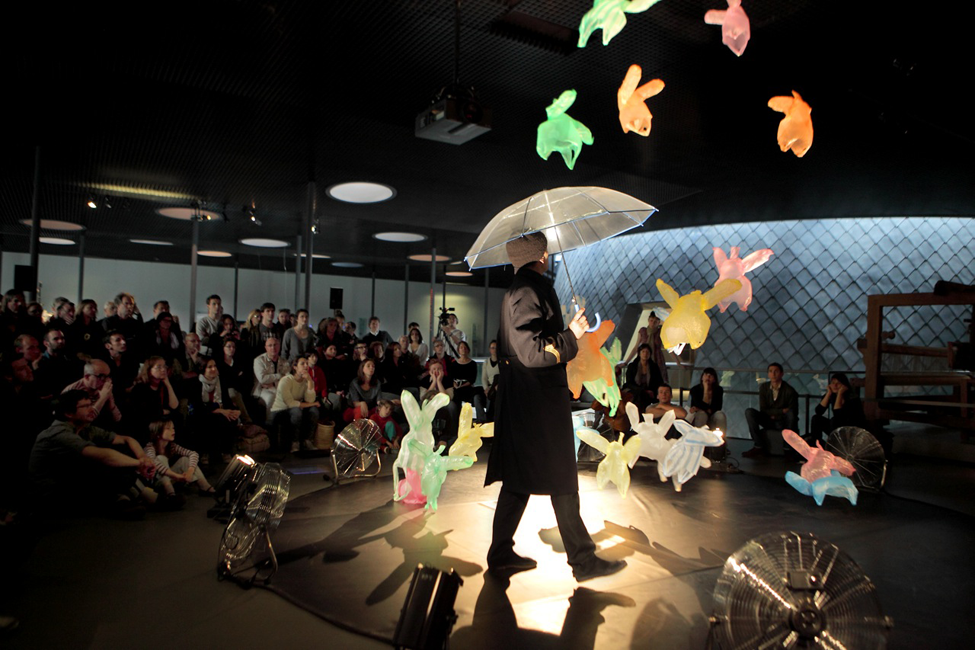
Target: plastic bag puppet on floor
796, 129
469, 435
687, 322
822, 474
634, 114
593, 368
735, 268
687, 454
653, 443
562, 133
619, 458
735, 30
609, 16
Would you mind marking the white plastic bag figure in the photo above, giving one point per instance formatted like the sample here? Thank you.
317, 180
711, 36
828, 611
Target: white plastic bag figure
687, 455
653, 444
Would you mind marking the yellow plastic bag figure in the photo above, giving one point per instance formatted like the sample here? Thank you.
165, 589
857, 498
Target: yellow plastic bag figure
687, 322
590, 363
735, 29
615, 467
562, 133
634, 114
609, 16
469, 435
795, 129
735, 268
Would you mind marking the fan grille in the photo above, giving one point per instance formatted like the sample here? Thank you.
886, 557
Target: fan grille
862, 450
356, 448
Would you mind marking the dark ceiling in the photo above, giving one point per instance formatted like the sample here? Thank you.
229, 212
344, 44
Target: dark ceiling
235, 103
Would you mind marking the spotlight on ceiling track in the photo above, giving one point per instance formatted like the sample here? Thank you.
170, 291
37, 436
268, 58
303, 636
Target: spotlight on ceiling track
106, 203
92, 203
314, 227
251, 213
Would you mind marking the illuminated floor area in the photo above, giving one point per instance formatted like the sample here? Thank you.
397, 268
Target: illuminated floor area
348, 553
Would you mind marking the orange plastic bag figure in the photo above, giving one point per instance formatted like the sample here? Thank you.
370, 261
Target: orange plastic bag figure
589, 363
634, 114
795, 129
735, 29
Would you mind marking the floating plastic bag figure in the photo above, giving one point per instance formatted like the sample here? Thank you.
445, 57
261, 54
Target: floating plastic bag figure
735, 30
687, 454
687, 322
562, 133
409, 490
421, 429
469, 435
435, 468
735, 268
653, 444
822, 474
619, 458
609, 16
634, 114
795, 129
590, 363
607, 394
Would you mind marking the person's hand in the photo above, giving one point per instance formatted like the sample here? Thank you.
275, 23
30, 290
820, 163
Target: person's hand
146, 469
187, 476
106, 389
842, 389
829, 389
579, 324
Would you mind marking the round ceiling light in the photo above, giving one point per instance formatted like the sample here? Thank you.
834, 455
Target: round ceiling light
151, 242
187, 214
57, 241
347, 265
360, 192
213, 254
260, 242
400, 237
426, 258
52, 224
459, 274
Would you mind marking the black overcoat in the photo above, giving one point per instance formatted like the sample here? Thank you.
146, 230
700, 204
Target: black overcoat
533, 450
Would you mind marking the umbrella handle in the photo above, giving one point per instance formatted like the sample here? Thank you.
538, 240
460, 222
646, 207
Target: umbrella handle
598, 319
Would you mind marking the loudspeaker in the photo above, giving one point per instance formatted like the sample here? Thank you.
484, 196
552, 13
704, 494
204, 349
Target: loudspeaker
335, 298
428, 614
24, 278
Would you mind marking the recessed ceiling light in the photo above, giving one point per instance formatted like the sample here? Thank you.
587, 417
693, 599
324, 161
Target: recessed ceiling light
347, 265
57, 241
402, 237
213, 253
360, 192
260, 242
459, 274
188, 213
318, 256
51, 224
425, 257
151, 242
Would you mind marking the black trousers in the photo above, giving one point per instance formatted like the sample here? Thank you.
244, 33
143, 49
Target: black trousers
579, 547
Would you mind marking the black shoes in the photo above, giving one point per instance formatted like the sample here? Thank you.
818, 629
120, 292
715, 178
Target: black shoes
597, 568
512, 563
754, 452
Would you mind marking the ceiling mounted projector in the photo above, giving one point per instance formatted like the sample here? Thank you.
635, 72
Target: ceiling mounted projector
455, 115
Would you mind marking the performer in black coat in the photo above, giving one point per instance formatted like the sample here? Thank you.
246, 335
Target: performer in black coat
533, 451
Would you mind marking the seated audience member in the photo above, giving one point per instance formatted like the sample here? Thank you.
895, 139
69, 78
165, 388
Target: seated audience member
74, 464
778, 409
27, 347
213, 421
209, 324
251, 343
707, 399
56, 369
269, 368
320, 382
226, 332
350, 333
364, 392
377, 352
490, 376
337, 375
465, 378
643, 378
161, 306
63, 316
122, 364
109, 309
97, 384
33, 321
396, 373
417, 347
330, 334
448, 417
189, 365
439, 357
374, 334
383, 416
164, 338
175, 464
268, 327
152, 398
298, 340
85, 334
295, 409
235, 376
23, 418
846, 407
125, 322
664, 395
286, 319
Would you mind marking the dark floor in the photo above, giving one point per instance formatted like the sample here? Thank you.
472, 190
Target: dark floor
96, 583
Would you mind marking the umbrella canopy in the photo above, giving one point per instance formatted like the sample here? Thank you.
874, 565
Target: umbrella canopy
570, 217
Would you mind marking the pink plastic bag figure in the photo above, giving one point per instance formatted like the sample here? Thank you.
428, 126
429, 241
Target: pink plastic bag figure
634, 114
795, 129
590, 363
735, 268
820, 463
409, 489
735, 30
687, 322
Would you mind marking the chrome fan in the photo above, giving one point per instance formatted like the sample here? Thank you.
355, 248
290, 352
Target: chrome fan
792, 590
862, 450
256, 512
356, 449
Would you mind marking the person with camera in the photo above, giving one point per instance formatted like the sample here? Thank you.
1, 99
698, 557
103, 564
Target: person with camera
449, 334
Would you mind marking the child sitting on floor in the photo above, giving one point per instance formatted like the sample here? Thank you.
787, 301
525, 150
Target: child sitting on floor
173, 463
383, 416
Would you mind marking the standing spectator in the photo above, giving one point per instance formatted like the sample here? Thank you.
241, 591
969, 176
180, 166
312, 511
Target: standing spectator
417, 347
490, 374
164, 339
85, 334
250, 337
268, 370
295, 407
11, 314
285, 320
125, 322
778, 409
268, 327
209, 324
451, 336
298, 340
846, 406
376, 334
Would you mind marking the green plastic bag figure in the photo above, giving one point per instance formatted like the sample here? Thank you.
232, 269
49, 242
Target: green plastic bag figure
609, 16
562, 133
